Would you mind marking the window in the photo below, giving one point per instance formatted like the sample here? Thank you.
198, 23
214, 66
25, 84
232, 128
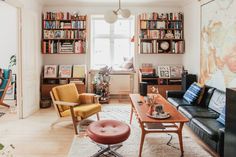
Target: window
111, 42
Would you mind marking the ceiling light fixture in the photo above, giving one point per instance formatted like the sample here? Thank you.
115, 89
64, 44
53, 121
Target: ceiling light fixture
112, 15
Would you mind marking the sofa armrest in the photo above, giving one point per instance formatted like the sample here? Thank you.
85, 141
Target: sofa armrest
220, 148
175, 94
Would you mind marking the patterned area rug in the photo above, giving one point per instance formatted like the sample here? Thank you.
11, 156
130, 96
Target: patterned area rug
161, 145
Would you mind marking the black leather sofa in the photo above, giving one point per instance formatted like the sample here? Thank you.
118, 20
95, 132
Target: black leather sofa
202, 116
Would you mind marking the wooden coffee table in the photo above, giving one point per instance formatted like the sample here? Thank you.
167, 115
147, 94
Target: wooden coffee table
173, 124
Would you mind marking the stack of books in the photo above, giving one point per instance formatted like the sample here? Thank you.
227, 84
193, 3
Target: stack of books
66, 47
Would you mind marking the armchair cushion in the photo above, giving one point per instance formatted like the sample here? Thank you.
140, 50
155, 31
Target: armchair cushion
83, 110
67, 93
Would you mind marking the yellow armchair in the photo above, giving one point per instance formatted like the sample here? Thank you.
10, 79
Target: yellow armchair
68, 102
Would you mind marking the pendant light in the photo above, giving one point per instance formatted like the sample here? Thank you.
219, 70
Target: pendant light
111, 16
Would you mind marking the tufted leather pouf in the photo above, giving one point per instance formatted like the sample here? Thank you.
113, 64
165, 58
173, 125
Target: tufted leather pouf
108, 132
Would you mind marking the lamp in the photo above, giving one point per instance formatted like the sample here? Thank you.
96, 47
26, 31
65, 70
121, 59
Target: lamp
111, 15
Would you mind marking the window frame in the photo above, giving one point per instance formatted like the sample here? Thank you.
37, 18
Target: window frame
111, 36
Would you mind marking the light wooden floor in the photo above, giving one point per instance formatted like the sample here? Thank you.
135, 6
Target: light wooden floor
33, 136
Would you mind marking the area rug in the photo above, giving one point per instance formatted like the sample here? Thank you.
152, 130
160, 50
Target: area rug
161, 145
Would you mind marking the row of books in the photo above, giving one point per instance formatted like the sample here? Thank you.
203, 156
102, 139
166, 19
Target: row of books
62, 16
175, 25
152, 24
64, 34
154, 47
160, 25
63, 47
64, 25
161, 34
177, 47
65, 71
161, 16
149, 47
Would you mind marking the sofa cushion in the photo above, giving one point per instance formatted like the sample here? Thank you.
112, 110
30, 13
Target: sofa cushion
197, 111
221, 119
178, 102
209, 126
193, 93
207, 94
217, 101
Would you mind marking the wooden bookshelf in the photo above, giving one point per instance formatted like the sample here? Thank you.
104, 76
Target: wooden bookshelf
63, 33
163, 84
161, 33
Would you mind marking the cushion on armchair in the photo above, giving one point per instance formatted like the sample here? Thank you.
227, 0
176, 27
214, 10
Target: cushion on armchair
193, 93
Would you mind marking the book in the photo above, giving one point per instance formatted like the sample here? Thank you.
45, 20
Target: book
65, 71
79, 71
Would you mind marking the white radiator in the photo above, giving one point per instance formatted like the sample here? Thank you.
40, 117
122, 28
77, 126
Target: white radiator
119, 83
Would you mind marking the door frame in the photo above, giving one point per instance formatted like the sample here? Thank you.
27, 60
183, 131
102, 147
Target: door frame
19, 93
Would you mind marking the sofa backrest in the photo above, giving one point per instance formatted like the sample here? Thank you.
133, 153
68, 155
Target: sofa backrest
208, 92
217, 101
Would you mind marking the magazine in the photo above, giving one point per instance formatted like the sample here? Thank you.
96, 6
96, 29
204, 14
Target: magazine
65, 71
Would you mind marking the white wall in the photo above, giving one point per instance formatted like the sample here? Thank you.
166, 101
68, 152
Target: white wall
191, 58
8, 34
139, 58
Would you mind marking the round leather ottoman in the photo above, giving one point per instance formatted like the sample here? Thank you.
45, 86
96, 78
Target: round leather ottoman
108, 132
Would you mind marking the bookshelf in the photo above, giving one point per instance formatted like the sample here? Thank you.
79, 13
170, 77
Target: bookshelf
161, 33
162, 84
63, 33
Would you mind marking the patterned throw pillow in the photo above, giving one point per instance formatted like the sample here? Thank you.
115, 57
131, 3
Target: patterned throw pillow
193, 92
221, 119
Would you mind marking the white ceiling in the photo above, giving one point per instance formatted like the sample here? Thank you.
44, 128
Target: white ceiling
115, 2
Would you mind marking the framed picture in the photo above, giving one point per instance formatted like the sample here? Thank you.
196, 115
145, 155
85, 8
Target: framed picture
50, 71
79, 71
65, 71
164, 71
10, 94
176, 71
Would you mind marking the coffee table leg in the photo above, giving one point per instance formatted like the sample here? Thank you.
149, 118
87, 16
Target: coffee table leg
141, 143
131, 115
180, 138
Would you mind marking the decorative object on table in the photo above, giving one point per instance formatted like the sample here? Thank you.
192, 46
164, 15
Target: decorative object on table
143, 88
101, 84
112, 15
176, 71
164, 71
50, 71
65, 71
79, 71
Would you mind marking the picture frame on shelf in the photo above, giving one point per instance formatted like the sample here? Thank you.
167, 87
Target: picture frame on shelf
50, 71
65, 71
176, 71
79, 71
164, 71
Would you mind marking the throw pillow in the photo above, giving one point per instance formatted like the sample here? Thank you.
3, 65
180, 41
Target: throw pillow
127, 64
221, 119
193, 93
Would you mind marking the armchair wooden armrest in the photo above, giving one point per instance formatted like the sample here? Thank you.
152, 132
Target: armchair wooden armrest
88, 98
66, 103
